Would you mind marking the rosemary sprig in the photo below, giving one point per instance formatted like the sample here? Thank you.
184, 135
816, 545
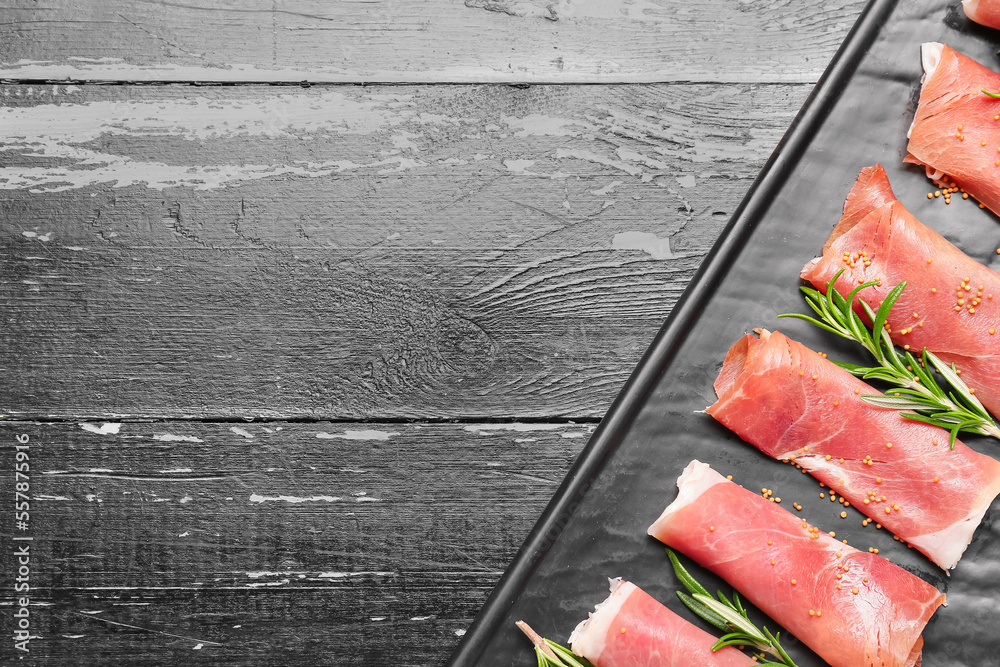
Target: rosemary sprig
953, 407
729, 616
549, 653
993, 95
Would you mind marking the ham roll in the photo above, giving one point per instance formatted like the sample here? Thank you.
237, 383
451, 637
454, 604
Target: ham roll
853, 608
795, 405
951, 304
984, 12
955, 132
632, 628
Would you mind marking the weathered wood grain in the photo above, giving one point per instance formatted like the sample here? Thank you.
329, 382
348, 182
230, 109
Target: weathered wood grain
540, 41
270, 543
356, 253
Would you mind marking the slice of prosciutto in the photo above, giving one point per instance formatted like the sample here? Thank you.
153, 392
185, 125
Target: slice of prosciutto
985, 12
951, 304
632, 628
853, 608
954, 118
795, 405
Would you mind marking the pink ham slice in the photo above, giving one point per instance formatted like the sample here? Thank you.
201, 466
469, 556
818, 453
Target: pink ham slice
793, 404
653, 635
954, 132
986, 12
951, 304
873, 614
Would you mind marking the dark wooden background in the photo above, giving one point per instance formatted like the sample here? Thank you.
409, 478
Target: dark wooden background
308, 308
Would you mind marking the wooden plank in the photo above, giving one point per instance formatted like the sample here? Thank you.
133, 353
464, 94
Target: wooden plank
231, 544
537, 41
385, 252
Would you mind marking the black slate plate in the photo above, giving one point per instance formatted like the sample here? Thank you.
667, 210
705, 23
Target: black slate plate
595, 527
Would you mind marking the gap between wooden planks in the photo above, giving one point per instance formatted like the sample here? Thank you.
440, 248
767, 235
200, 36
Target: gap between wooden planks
423, 41
231, 544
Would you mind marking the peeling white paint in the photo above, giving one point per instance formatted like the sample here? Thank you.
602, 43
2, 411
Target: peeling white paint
185, 500
484, 428
687, 181
170, 437
46, 497
358, 435
257, 498
123, 172
269, 583
74, 132
548, 126
378, 618
587, 156
242, 432
104, 429
345, 575
649, 243
185, 533
607, 189
520, 167
421, 618
459, 633
173, 470
35, 235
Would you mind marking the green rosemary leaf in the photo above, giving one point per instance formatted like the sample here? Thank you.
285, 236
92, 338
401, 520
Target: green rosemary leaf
567, 656
878, 325
724, 600
858, 329
739, 605
993, 95
894, 402
884, 374
926, 379
732, 617
853, 369
951, 375
813, 321
702, 611
689, 582
728, 616
893, 359
945, 420
776, 643
550, 654
733, 639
